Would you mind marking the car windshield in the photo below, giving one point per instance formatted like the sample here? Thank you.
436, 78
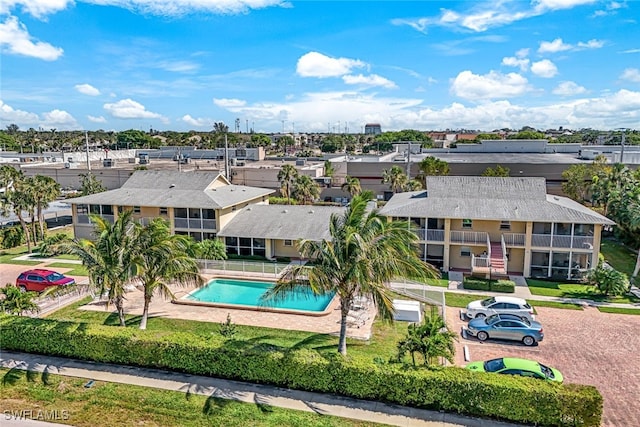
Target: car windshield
525, 321
487, 301
54, 276
493, 365
527, 306
547, 371
492, 319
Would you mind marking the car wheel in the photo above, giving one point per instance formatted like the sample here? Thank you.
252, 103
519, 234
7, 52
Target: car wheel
482, 336
528, 341
23, 288
480, 316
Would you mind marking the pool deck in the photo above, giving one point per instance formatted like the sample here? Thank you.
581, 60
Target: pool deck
329, 324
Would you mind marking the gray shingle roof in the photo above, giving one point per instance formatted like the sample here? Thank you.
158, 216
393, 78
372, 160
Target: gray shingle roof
490, 198
282, 222
175, 189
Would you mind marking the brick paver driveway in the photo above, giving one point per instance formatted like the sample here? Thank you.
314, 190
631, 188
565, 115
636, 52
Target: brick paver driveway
588, 347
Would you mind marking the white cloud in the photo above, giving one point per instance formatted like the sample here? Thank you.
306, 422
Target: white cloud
130, 109
512, 61
228, 103
95, 119
554, 46
36, 8
370, 80
87, 89
544, 68
560, 4
59, 119
568, 89
179, 66
15, 39
314, 64
631, 74
8, 115
200, 122
182, 7
489, 86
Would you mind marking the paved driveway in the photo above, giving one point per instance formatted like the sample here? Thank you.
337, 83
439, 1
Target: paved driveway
588, 347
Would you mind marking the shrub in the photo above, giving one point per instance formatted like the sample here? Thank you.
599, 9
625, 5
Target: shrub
447, 389
503, 286
475, 284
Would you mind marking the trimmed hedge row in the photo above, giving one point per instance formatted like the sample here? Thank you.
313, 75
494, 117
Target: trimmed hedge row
509, 398
506, 286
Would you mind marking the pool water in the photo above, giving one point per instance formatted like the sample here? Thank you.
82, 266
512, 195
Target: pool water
249, 293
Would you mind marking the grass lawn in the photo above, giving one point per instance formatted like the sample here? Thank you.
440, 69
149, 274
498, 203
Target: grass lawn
617, 310
110, 404
618, 256
572, 290
453, 299
76, 269
382, 344
554, 304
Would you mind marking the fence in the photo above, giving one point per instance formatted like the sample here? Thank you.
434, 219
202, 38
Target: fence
421, 292
243, 268
61, 297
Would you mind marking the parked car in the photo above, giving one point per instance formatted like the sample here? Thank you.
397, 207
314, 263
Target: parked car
40, 279
500, 304
506, 327
517, 366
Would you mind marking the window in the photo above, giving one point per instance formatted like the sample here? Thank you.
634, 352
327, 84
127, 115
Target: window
82, 209
136, 209
465, 251
180, 212
505, 225
467, 223
164, 211
288, 242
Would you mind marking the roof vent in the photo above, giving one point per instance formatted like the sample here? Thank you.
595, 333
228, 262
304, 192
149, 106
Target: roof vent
285, 211
172, 185
311, 211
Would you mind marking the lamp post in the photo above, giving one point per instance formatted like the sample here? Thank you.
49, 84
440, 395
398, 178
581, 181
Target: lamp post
622, 130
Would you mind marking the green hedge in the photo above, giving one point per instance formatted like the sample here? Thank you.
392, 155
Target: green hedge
515, 399
506, 286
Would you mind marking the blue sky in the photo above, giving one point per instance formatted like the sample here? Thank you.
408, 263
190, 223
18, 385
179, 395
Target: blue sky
319, 66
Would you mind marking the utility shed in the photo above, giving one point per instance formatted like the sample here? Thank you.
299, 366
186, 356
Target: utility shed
407, 311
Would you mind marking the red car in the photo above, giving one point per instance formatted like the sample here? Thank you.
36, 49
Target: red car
39, 279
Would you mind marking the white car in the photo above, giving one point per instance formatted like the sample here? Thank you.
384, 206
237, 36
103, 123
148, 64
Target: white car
500, 305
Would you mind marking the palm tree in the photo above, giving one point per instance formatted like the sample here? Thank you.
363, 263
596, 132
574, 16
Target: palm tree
305, 190
352, 185
48, 191
413, 185
432, 339
364, 252
286, 177
431, 166
162, 259
210, 249
109, 259
89, 184
14, 301
396, 178
329, 170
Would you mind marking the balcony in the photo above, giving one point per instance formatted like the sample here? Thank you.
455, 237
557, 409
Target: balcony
429, 235
195, 223
514, 239
469, 237
562, 241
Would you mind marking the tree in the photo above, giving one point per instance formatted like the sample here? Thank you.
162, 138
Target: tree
431, 339
527, 134
134, 138
286, 177
305, 189
352, 185
210, 249
432, 166
14, 301
329, 170
413, 185
499, 170
162, 259
608, 280
396, 178
48, 191
575, 183
89, 184
364, 252
109, 259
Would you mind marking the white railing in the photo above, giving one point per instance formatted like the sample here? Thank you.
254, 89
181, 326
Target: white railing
504, 253
61, 297
561, 241
243, 268
488, 246
469, 237
421, 292
480, 261
514, 239
435, 235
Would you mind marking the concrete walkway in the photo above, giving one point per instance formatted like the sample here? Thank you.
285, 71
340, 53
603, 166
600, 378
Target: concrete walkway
323, 404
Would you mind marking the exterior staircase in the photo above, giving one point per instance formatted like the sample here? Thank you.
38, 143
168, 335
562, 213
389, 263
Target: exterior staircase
497, 259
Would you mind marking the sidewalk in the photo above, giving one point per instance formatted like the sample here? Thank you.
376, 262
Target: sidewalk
324, 404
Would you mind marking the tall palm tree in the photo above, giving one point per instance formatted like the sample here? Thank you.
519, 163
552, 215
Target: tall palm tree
305, 190
162, 259
286, 177
396, 178
20, 198
109, 259
352, 185
364, 252
48, 190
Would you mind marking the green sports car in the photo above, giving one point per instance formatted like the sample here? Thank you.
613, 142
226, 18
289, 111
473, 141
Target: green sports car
517, 366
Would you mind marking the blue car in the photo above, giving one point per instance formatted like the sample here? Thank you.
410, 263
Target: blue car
506, 327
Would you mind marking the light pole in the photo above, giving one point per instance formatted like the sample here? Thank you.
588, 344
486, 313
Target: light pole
622, 130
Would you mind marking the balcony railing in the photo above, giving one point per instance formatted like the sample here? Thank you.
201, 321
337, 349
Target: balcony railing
561, 241
514, 239
435, 236
83, 219
195, 223
469, 237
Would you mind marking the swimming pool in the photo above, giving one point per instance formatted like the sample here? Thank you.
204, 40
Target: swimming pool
246, 294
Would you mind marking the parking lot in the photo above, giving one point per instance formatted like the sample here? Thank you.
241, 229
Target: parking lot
588, 347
